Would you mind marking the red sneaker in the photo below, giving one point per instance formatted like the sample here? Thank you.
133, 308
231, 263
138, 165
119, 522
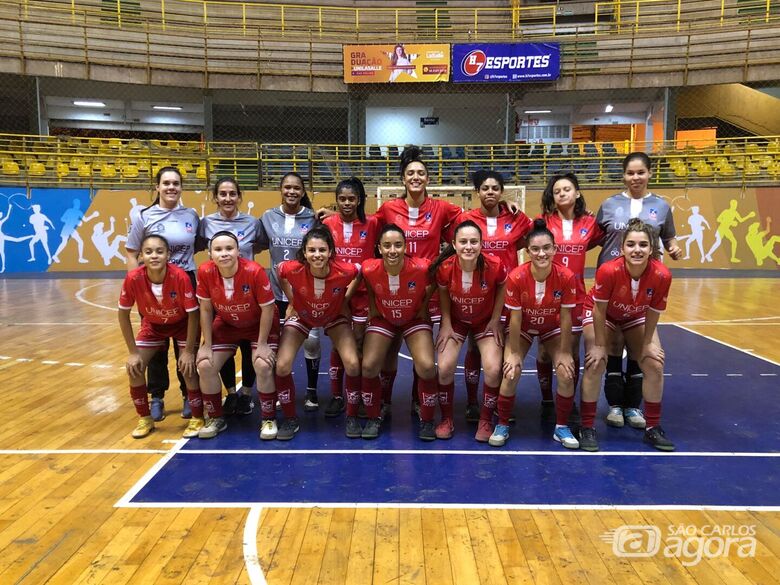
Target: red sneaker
484, 430
445, 429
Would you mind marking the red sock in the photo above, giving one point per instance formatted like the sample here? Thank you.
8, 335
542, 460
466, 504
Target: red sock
386, 379
267, 406
336, 373
563, 406
489, 402
544, 373
587, 414
446, 398
353, 398
505, 406
140, 396
285, 391
472, 364
195, 398
429, 396
652, 414
576, 373
371, 392
212, 404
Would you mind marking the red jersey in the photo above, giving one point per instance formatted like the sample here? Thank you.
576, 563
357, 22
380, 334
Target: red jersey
540, 302
472, 294
318, 300
356, 241
397, 298
501, 235
629, 298
571, 251
236, 300
424, 227
177, 299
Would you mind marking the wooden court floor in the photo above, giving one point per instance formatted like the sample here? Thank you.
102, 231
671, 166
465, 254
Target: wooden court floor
66, 457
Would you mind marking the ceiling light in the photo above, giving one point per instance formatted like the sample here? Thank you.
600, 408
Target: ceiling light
609, 108
167, 108
537, 111
89, 104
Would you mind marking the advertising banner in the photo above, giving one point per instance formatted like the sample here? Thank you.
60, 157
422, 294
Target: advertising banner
401, 63
505, 62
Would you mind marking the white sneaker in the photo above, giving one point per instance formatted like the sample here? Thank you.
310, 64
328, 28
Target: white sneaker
213, 427
635, 418
268, 429
615, 417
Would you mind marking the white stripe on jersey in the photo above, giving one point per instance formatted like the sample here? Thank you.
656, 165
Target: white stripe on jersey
540, 288
346, 231
492, 225
634, 288
414, 214
394, 283
229, 287
289, 223
157, 292
319, 287
466, 280
568, 228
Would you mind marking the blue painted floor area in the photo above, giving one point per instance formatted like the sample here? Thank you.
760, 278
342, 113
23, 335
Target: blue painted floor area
702, 414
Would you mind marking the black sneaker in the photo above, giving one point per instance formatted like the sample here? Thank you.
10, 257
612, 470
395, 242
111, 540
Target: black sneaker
588, 441
386, 411
657, 438
353, 430
427, 431
230, 404
287, 429
548, 411
372, 428
472, 413
335, 407
362, 411
312, 403
245, 404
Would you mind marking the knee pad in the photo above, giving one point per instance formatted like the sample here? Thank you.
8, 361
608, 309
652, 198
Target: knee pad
311, 346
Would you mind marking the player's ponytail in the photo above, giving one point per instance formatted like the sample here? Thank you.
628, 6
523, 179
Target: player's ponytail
539, 229
410, 154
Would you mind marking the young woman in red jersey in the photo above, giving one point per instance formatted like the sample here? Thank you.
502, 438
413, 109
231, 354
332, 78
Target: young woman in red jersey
399, 288
354, 235
238, 292
629, 295
504, 228
471, 290
168, 310
540, 295
317, 285
575, 231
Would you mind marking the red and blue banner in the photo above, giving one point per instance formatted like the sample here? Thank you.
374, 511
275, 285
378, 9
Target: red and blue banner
505, 62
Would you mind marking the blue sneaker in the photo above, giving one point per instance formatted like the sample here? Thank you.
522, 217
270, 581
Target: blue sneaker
186, 411
157, 408
500, 436
565, 437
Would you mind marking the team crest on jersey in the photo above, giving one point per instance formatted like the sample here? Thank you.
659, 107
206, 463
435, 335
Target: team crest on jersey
336, 290
507, 228
557, 294
619, 211
583, 232
483, 285
304, 227
188, 227
650, 292
245, 288
412, 285
240, 235
653, 214
172, 294
428, 216
363, 234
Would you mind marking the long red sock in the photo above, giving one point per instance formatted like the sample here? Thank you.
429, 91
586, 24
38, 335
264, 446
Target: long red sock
140, 396
285, 391
387, 379
505, 406
544, 373
212, 404
371, 392
446, 398
429, 397
353, 388
652, 414
587, 414
195, 398
563, 406
472, 364
336, 373
267, 406
489, 402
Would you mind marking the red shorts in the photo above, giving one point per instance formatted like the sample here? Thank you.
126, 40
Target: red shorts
434, 310
381, 326
153, 335
614, 324
576, 318
304, 327
462, 330
226, 337
528, 331
358, 305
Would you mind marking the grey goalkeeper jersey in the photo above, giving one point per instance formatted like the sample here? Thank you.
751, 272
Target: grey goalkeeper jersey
243, 226
178, 226
613, 216
282, 234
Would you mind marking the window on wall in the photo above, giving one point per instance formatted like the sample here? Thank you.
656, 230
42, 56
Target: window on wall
541, 132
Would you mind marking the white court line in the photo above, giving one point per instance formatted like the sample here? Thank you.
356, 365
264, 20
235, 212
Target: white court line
251, 554
726, 321
152, 471
80, 297
726, 344
79, 324
466, 452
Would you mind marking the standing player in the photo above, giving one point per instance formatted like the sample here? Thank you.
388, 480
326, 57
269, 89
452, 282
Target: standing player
236, 304
168, 310
317, 285
575, 231
540, 295
398, 292
354, 235
167, 217
280, 230
629, 295
624, 391
471, 290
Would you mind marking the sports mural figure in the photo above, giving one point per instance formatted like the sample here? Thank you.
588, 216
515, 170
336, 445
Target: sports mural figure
728, 218
39, 223
697, 222
4, 238
755, 241
108, 250
72, 219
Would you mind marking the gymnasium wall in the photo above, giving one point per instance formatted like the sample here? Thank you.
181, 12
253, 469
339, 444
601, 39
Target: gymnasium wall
85, 234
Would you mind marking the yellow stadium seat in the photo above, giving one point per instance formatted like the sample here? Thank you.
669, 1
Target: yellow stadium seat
144, 165
130, 172
63, 170
201, 173
751, 168
752, 148
725, 169
36, 169
84, 170
108, 171
10, 167
774, 169
774, 146
764, 160
703, 169
680, 170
